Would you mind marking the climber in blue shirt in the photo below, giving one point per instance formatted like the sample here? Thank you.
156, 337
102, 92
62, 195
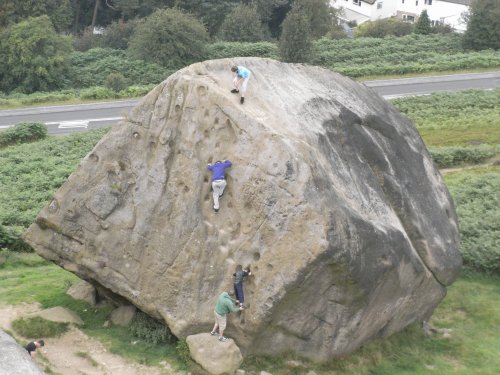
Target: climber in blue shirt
240, 81
218, 180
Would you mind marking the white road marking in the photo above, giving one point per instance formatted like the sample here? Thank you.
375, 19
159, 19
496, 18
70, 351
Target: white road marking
73, 124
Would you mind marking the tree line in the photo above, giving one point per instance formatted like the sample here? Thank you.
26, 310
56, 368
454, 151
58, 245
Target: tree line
38, 38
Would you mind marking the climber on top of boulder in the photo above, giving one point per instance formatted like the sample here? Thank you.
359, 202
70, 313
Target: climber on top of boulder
240, 81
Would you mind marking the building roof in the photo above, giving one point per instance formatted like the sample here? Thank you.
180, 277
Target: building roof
461, 2
351, 15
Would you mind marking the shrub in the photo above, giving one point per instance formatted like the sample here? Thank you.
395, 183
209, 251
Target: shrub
116, 82
23, 133
242, 24
87, 40
183, 352
38, 327
295, 44
117, 34
11, 239
382, 28
149, 329
169, 37
135, 91
222, 50
93, 67
446, 157
33, 57
477, 198
97, 92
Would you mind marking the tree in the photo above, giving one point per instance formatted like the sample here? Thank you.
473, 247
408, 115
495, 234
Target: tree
271, 12
33, 57
242, 25
423, 25
117, 34
295, 44
322, 17
483, 26
59, 11
211, 12
169, 37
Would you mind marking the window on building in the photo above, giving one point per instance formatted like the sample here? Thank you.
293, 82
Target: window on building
416, 3
356, 2
428, 2
402, 1
379, 5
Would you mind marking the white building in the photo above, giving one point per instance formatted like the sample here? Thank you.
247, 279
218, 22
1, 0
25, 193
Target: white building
439, 11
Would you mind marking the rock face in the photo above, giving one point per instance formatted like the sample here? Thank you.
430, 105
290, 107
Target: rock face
214, 356
83, 291
332, 199
15, 360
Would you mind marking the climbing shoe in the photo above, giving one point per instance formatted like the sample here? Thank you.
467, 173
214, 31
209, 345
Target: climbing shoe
222, 339
213, 333
242, 100
234, 91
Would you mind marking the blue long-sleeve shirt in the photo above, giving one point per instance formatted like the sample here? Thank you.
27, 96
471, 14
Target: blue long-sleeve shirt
218, 169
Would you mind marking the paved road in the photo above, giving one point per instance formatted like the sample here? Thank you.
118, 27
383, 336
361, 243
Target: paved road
73, 118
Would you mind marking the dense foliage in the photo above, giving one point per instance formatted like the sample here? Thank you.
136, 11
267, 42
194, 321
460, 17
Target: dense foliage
149, 329
243, 24
93, 67
464, 118
382, 28
295, 44
11, 239
423, 25
392, 55
483, 25
33, 57
477, 199
446, 157
30, 173
22, 133
59, 11
170, 38
38, 327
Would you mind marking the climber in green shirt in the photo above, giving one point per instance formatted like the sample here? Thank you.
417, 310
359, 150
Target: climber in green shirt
225, 305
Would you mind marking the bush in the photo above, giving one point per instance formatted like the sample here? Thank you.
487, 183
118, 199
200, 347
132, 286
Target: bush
38, 327
11, 239
23, 133
116, 82
117, 34
149, 329
382, 28
87, 40
183, 352
98, 92
92, 68
222, 50
446, 157
169, 37
477, 198
242, 25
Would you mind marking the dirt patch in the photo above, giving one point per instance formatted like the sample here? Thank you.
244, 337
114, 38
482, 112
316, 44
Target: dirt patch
75, 353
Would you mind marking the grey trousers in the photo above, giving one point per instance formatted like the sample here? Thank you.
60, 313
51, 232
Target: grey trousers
218, 187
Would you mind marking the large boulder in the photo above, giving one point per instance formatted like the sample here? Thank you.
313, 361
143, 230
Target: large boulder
15, 360
332, 199
214, 356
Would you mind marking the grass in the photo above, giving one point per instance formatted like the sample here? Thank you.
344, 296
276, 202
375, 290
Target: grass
38, 327
470, 311
455, 119
469, 318
27, 278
